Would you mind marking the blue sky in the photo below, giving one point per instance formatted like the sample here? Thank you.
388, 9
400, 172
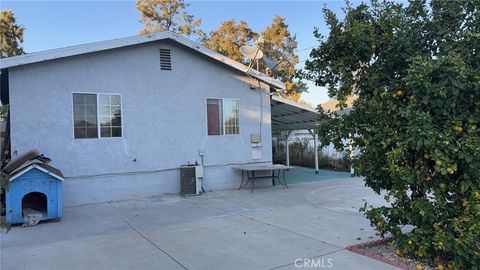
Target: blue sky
55, 24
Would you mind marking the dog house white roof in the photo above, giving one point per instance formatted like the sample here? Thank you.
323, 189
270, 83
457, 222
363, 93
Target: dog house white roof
28, 161
42, 167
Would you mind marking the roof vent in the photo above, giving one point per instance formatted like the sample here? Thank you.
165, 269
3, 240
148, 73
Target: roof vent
165, 59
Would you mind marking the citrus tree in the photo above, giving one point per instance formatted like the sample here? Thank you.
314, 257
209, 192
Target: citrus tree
415, 72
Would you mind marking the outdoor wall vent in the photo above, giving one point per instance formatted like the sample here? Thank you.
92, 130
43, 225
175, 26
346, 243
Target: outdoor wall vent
165, 59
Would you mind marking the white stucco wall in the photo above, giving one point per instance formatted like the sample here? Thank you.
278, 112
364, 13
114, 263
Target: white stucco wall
164, 121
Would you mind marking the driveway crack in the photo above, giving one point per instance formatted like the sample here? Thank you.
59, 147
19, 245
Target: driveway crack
145, 238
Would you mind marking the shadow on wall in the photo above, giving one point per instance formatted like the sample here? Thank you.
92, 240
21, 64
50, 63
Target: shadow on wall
301, 154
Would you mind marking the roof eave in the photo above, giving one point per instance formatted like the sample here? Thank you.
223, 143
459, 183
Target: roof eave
129, 41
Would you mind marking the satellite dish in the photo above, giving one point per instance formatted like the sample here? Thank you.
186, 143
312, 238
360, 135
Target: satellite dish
270, 62
251, 53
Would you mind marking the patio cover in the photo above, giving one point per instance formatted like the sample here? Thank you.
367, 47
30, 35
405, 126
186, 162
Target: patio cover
289, 115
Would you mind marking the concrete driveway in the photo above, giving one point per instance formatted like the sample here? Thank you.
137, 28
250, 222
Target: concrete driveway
306, 226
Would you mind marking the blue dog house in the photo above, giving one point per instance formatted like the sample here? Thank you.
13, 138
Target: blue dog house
34, 185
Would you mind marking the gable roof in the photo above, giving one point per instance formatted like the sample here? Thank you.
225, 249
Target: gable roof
39, 166
18, 162
41, 56
30, 160
332, 105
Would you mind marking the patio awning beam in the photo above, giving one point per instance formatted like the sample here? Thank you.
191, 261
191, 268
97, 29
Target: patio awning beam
290, 115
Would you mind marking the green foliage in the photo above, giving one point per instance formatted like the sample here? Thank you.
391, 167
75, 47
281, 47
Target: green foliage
229, 37
299, 149
4, 186
4, 111
4, 183
11, 35
301, 154
415, 70
171, 15
280, 45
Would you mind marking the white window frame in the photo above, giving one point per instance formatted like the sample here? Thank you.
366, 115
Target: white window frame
223, 118
98, 115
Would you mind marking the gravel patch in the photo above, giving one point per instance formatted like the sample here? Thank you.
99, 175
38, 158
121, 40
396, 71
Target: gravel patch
388, 249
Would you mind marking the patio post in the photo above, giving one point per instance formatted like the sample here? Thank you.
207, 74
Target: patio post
312, 132
287, 148
350, 148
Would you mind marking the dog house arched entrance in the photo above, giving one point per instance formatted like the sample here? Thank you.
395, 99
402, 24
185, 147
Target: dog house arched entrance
36, 201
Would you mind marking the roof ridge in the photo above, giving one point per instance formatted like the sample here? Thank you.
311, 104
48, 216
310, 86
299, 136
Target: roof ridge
85, 48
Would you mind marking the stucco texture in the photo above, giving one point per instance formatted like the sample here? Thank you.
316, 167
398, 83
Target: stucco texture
163, 116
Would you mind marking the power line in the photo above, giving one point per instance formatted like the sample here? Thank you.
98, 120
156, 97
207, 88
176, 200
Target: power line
304, 49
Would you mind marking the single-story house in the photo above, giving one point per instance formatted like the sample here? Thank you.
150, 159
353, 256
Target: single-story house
120, 117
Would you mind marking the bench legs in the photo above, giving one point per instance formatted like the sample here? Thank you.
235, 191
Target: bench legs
284, 179
273, 177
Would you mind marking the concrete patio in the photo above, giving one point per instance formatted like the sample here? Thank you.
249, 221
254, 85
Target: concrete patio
272, 228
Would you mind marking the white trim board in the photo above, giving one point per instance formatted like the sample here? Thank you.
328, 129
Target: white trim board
294, 104
34, 166
41, 56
